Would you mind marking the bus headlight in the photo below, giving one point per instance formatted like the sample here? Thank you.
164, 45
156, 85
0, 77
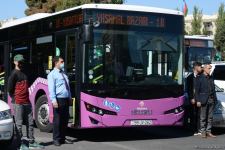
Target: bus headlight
98, 110
175, 110
5, 115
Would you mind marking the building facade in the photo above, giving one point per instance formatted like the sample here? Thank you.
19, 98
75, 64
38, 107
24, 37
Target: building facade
208, 24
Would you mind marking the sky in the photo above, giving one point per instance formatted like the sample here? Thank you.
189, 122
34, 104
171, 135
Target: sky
16, 8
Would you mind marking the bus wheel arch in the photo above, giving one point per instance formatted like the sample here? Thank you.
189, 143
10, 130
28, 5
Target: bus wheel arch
42, 114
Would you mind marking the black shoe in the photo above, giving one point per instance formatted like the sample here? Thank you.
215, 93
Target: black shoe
66, 141
57, 143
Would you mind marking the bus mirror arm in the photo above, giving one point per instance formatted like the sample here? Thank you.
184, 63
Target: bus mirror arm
87, 32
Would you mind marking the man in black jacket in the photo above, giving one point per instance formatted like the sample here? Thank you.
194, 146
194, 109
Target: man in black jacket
194, 111
206, 99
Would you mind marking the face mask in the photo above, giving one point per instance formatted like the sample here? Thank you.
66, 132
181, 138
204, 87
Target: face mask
62, 66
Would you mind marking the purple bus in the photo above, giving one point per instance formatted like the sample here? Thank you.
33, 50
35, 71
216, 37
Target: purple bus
125, 63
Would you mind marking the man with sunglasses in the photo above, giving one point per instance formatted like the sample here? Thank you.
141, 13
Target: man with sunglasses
18, 91
59, 93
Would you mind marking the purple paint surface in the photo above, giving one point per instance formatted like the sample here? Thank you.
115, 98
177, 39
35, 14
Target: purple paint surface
124, 116
123, 107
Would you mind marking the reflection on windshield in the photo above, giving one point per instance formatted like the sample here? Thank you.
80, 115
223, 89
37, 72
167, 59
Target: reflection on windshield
134, 58
202, 55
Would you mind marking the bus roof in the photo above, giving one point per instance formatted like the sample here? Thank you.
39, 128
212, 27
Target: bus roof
24, 20
198, 37
93, 6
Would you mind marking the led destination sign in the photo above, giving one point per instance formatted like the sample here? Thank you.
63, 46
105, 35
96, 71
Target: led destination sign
69, 21
150, 21
104, 18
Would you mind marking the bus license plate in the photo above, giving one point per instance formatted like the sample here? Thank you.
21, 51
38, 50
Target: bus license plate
140, 122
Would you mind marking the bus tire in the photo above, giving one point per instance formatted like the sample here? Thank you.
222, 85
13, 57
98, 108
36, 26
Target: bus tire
42, 114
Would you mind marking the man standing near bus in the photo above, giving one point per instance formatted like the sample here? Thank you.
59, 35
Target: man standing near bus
206, 99
18, 91
193, 109
60, 95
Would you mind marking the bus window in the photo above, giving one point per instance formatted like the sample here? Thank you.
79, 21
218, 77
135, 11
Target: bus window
219, 72
24, 48
21, 47
41, 58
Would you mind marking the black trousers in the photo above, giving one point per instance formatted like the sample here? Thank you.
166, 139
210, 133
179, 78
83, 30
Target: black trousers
207, 117
195, 118
60, 119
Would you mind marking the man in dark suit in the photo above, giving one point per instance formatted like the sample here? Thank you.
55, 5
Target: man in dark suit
206, 99
194, 111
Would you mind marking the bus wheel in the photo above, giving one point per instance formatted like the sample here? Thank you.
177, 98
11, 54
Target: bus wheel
42, 114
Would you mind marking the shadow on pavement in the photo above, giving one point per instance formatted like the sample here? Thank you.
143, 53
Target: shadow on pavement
128, 134
123, 134
218, 131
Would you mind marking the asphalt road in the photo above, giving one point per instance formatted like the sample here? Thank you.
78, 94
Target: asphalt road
154, 138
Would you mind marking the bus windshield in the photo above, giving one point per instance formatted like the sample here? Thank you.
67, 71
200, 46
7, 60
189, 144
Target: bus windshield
197, 48
134, 58
200, 54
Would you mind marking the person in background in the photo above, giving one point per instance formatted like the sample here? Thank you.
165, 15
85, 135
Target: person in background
60, 95
206, 99
193, 109
18, 91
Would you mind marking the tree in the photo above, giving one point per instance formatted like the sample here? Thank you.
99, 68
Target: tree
50, 6
197, 21
185, 30
64, 4
40, 6
220, 29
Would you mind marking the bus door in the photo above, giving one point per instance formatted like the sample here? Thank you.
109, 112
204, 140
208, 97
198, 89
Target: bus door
2, 72
4, 57
66, 47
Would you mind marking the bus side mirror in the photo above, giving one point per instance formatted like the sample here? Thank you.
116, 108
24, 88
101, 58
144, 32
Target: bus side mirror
87, 32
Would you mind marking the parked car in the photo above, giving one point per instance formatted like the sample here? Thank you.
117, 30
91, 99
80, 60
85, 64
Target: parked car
218, 72
6, 124
219, 111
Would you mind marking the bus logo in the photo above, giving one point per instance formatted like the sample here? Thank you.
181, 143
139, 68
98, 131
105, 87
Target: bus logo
141, 104
141, 110
111, 105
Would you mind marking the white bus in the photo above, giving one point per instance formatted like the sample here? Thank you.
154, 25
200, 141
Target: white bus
198, 48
